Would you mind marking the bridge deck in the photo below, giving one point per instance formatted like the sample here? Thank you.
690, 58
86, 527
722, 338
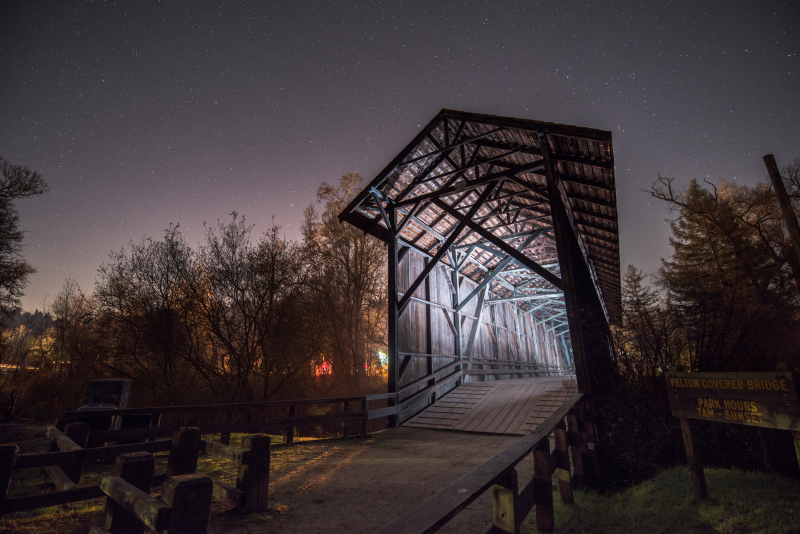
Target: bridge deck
513, 407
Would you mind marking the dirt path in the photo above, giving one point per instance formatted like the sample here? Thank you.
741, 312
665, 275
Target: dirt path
360, 485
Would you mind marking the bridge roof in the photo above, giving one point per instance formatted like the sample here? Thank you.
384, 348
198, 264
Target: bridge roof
460, 160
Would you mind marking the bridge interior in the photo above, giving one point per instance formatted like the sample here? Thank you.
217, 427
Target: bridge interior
503, 266
510, 407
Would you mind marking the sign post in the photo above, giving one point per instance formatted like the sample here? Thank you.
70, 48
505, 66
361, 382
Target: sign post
766, 400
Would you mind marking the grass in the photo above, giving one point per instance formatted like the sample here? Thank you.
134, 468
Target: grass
740, 502
71, 518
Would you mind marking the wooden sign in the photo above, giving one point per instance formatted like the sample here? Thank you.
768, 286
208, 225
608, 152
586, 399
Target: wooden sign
767, 400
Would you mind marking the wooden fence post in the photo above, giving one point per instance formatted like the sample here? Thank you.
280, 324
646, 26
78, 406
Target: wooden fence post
155, 422
796, 438
590, 465
543, 487
345, 424
693, 458
591, 443
61, 423
576, 451
253, 476
365, 422
8, 458
225, 437
562, 463
137, 469
79, 433
288, 432
183, 453
505, 493
189, 499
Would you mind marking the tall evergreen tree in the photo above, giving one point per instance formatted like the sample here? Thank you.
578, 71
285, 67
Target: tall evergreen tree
730, 275
649, 341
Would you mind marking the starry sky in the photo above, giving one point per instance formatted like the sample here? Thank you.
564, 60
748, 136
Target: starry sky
141, 114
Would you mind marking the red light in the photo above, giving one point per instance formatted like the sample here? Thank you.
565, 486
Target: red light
324, 368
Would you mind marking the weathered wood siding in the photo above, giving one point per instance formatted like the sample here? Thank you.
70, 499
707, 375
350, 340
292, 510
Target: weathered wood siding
502, 334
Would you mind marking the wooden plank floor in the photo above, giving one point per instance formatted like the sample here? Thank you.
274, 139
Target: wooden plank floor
511, 407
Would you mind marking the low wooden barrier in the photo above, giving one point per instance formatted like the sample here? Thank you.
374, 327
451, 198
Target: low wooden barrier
252, 481
250, 493
512, 505
70, 450
255, 425
184, 506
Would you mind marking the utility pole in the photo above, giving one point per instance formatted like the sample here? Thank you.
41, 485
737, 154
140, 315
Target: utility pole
786, 205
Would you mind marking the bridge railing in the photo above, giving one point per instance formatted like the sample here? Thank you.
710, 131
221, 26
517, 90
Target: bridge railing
511, 504
514, 368
418, 395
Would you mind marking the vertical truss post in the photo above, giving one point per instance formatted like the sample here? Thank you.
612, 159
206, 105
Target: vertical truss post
493, 323
428, 333
517, 330
476, 325
588, 326
567, 359
536, 343
567, 263
393, 379
457, 316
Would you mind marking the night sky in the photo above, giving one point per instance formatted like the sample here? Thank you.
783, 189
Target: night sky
141, 114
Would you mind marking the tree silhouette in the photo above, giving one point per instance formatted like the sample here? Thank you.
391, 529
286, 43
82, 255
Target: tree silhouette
17, 182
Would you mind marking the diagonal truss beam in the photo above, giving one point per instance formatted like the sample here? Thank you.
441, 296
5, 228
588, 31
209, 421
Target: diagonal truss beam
476, 325
534, 308
506, 237
378, 197
498, 269
502, 245
447, 148
453, 189
403, 302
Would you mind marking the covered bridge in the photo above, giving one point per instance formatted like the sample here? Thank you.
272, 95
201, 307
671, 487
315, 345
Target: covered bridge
503, 257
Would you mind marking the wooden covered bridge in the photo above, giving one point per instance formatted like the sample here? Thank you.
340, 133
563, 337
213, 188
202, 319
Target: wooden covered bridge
503, 281
503, 269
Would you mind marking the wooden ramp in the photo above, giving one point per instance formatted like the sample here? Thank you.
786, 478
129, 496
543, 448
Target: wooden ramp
514, 407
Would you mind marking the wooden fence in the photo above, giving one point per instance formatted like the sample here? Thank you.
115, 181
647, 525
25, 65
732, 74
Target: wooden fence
347, 416
184, 506
512, 505
71, 449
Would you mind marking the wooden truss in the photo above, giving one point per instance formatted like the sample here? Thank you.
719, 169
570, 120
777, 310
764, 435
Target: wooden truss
524, 209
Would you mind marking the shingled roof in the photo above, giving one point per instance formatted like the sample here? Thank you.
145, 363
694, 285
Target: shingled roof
435, 180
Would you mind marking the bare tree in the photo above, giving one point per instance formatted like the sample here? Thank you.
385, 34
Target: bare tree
348, 281
150, 332
247, 295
